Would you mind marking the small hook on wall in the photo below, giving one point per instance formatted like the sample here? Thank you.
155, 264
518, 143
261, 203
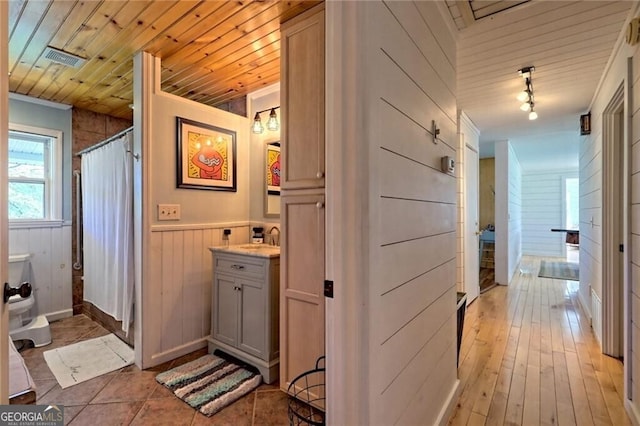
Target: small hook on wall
434, 131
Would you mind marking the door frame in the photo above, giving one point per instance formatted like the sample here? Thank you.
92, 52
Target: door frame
471, 245
615, 286
468, 140
4, 228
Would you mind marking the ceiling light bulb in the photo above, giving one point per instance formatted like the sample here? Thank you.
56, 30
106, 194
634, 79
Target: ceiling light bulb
257, 124
522, 96
272, 124
533, 115
525, 106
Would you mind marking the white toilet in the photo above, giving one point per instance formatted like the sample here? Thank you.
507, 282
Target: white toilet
20, 328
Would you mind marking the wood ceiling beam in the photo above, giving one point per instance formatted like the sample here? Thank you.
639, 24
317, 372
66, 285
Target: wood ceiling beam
466, 12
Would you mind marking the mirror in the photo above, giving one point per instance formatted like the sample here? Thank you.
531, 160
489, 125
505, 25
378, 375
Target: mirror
272, 180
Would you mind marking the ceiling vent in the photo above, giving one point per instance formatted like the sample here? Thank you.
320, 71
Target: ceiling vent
63, 58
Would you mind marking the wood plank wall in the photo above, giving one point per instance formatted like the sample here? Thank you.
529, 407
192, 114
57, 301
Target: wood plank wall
591, 206
542, 209
51, 265
515, 212
413, 294
590, 175
508, 212
183, 276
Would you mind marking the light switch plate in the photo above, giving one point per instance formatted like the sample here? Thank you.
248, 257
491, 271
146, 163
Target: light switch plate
168, 211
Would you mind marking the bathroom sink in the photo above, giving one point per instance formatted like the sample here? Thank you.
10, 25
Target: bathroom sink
257, 247
260, 250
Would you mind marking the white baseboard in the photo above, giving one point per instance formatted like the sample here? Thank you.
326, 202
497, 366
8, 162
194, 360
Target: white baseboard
586, 306
58, 315
632, 412
174, 353
450, 404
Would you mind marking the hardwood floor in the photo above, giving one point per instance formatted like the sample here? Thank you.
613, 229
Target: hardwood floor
529, 357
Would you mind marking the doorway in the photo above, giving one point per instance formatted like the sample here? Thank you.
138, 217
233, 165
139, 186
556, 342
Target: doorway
615, 199
471, 223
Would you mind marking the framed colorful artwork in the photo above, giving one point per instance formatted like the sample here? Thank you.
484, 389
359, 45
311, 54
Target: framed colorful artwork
206, 156
273, 168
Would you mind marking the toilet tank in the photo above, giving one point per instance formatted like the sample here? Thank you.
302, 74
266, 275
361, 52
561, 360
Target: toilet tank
18, 268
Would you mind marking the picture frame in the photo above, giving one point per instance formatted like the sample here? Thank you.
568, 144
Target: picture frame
585, 124
206, 156
272, 163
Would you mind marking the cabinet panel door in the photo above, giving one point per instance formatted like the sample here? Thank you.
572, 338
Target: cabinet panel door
253, 318
225, 305
301, 286
302, 100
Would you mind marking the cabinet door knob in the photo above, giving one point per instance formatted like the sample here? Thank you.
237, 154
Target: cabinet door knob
319, 204
320, 175
238, 267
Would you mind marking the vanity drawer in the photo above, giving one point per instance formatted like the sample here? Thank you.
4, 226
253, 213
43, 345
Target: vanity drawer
240, 265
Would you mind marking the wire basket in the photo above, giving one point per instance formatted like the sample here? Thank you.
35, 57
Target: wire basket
306, 397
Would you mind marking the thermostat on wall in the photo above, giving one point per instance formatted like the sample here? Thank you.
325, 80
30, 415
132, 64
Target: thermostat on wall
448, 164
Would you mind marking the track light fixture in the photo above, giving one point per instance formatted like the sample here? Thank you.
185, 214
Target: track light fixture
526, 96
272, 123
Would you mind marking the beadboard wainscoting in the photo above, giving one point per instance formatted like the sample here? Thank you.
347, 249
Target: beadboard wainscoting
182, 273
51, 264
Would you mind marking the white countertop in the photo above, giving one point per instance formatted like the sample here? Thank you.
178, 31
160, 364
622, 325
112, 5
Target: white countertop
258, 250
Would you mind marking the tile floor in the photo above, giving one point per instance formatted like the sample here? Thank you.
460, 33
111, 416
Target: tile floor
133, 397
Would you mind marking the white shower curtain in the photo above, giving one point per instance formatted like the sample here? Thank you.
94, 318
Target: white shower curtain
107, 217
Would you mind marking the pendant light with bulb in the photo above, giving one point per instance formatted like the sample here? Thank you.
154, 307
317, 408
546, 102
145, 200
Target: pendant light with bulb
526, 96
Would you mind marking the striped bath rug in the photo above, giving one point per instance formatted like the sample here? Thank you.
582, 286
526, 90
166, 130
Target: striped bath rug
210, 383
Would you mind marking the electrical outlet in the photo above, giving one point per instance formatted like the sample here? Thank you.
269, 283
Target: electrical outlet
168, 211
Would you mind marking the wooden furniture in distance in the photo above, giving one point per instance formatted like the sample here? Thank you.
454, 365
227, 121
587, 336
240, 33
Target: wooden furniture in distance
302, 317
244, 314
487, 249
573, 235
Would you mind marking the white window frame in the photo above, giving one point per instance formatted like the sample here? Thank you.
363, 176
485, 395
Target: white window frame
53, 181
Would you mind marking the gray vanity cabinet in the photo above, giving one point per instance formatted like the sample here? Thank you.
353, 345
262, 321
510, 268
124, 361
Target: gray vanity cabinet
244, 310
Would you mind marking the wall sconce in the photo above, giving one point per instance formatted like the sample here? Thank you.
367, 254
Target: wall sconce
526, 96
272, 123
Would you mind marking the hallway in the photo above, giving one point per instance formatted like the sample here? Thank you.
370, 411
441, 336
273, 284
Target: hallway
529, 357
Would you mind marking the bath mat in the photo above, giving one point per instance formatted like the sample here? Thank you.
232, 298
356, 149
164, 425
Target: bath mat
559, 270
210, 383
79, 362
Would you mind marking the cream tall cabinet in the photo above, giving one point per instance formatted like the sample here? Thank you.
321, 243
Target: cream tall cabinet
302, 317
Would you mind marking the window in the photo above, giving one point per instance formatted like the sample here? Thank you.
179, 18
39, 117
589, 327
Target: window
34, 174
572, 203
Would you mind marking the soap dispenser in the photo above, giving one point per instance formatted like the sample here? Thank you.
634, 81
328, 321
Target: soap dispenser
258, 235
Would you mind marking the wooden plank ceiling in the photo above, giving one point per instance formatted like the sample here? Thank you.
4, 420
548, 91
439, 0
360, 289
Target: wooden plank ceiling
568, 42
212, 51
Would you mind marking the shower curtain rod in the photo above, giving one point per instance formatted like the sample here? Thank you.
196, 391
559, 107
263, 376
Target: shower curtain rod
104, 142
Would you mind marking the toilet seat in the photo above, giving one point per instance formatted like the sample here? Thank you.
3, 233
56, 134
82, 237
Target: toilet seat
18, 304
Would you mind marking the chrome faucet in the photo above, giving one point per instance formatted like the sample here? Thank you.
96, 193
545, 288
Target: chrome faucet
275, 241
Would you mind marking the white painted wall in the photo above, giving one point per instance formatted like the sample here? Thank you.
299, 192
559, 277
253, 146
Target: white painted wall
260, 100
508, 212
391, 214
543, 208
591, 184
50, 245
173, 286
